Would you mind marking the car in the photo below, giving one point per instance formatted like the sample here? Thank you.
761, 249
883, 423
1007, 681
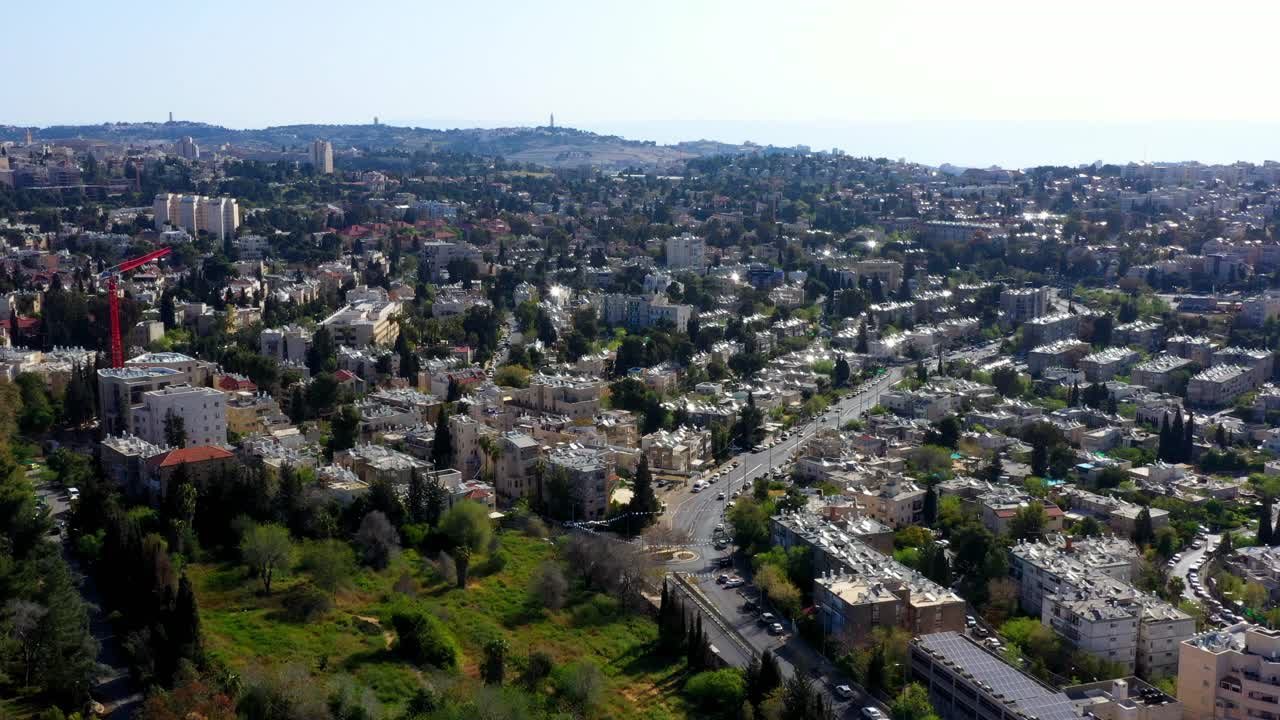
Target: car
980, 631
696, 488
720, 496
735, 582
735, 493
766, 618
73, 493
844, 691
970, 620
722, 578
735, 464
721, 545
775, 629
873, 713
720, 527
724, 562
712, 480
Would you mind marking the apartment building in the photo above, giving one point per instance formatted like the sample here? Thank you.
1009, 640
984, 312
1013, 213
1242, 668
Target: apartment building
1260, 363
253, 413
967, 682
1121, 515
1230, 674
1219, 385
686, 251
286, 343
1019, 305
1042, 568
514, 476
1123, 699
322, 157
590, 479
896, 502
219, 217
365, 322
873, 590
828, 532
1063, 353
643, 311
203, 412
1093, 619
437, 254
1050, 328
1000, 507
376, 463
1197, 349
1161, 629
1159, 373
120, 390
682, 450
569, 395
124, 462
1105, 364
197, 372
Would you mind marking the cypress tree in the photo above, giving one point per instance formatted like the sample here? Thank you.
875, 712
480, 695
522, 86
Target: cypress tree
184, 623
1175, 438
770, 674
442, 446
1162, 451
1188, 438
1264, 524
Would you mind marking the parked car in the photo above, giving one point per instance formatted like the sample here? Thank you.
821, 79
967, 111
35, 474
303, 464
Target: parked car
873, 713
766, 618
775, 629
844, 691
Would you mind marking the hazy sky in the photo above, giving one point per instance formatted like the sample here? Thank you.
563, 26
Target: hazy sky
979, 83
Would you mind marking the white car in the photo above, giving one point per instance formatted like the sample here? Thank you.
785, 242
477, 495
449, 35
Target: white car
872, 713
775, 629
844, 691
735, 582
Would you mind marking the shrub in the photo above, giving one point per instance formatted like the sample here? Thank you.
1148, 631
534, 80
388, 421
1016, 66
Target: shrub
717, 689
305, 602
599, 610
581, 683
423, 640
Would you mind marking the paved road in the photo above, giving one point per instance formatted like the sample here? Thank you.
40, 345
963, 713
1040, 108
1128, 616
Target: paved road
1191, 559
698, 514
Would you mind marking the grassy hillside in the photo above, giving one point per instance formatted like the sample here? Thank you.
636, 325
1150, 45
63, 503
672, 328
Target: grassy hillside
245, 629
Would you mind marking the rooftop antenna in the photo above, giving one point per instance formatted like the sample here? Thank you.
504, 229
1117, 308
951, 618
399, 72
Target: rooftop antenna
170, 116
553, 121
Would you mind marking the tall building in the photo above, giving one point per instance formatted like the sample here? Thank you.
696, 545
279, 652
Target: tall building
1230, 673
322, 157
203, 411
686, 252
187, 149
218, 217
589, 479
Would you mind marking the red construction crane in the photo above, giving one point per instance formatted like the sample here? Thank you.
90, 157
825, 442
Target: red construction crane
113, 298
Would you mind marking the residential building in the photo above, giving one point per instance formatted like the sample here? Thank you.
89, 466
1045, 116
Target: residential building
375, 463
589, 480
437, 254
896, 502
322, 157
514, 476
569, 395
124, 462
286, 343
683, 450
218, 217
365, 322
1160, 372
1106, 364
203, 412
1092, 620
874, 590
1063, 353
1123, 699
197, 372
253, 413
643, 311
202, 465
1230, 674
686, 251
1218, 385
1022, 304
120, 390
1050, 328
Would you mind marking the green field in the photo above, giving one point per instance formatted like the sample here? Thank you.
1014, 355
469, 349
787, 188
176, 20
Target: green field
243, 628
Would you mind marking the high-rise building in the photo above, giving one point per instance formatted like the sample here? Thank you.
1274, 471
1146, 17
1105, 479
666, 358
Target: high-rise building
218, 217
322, 157
686, 252
187, 149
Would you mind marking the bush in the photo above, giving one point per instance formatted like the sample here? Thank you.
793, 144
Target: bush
496, 563
423, 640
581, 683
305, 602
599, 610
717, 689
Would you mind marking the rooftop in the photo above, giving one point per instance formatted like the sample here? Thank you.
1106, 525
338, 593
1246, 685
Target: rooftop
997, 677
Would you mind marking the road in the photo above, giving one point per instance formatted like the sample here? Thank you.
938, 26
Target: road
727, 620
698, 514
1191, 560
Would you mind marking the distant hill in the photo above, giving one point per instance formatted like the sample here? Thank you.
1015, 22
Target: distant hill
550, 147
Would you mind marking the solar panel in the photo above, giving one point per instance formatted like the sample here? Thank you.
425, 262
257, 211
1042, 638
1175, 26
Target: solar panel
987, 670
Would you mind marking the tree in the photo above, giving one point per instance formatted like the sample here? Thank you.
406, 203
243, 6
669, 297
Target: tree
1265, 536
1029, 522
1040, 460
1006, 381
944, 433
378, 540
175, 430
750, 420
841, 373
912, 704
494, 669
184, 623
717, 689
769, 679
442, 445
548, 586
1143, 532
330, 563
423, 640
322, 354
267, 549
862, 344
996, 469
922, 374
643, 507
344, 429
930, 504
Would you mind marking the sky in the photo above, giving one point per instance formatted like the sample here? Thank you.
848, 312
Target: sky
978, 83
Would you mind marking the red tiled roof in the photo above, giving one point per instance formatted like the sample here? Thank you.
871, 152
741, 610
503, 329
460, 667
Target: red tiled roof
200, 453
344, 375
